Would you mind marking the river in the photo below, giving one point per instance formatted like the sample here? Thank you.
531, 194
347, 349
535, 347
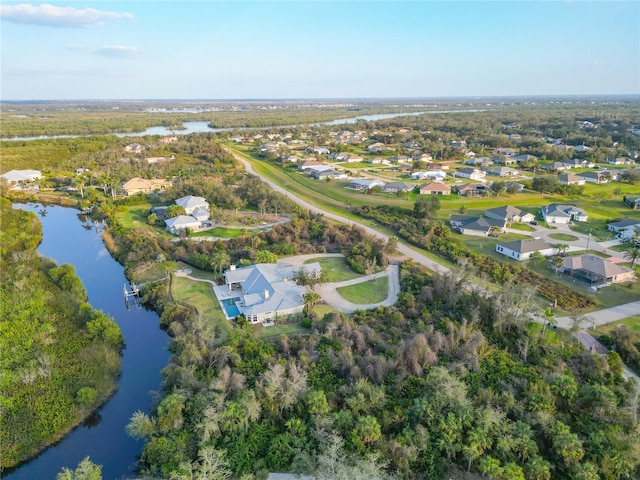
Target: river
67, 240
199, 127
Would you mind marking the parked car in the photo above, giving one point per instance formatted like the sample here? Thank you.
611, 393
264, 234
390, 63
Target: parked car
533, 222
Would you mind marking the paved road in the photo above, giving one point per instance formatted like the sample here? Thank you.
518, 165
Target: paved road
403, 249
602, 317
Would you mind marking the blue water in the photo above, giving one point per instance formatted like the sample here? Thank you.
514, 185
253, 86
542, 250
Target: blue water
230, 307
67, 240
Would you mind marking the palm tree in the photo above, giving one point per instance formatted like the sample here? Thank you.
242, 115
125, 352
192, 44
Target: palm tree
633, 251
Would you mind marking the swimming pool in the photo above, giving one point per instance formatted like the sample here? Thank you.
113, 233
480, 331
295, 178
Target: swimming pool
230, 308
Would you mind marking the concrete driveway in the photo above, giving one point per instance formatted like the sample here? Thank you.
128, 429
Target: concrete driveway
328, 291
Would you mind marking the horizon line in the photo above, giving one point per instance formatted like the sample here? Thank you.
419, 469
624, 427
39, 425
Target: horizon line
323, 99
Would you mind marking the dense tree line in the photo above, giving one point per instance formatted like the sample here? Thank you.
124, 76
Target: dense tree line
59, 358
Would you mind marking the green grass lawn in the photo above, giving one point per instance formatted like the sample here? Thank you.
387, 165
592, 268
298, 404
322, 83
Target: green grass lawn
200, 296
366, 292
134, 216
522, 226
336, 268
563, 236
272, 333
487, 245
220, 232
632, 323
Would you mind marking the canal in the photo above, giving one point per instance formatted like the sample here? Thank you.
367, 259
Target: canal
66, 239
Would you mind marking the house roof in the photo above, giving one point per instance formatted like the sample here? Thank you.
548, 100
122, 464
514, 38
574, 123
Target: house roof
192, 202
625, 222
598, 265
366, 183
481, 224
143, 183
527, 246
506, 211
563, 211
181, 221
399, 186
460, 218
21, 175
468, 171
268, 287
436, 186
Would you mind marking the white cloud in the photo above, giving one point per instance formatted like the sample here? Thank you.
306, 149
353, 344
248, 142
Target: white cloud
53, 16
115, 51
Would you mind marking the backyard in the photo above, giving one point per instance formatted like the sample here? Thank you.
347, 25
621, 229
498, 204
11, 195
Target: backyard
200, 296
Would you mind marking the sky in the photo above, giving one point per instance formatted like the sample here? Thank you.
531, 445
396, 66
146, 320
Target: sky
85, 50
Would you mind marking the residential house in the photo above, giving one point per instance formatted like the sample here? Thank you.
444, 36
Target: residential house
456, 221
347, 157
471, 173
364, 184
481, 226
134, 148
425, 157
563, 214
525, 158
473, 190
266, 291
321, 173
290, 159
191, 204
437, 166
595, 270
181, 222
377, 161
581, 148
18, 177
458, 144
435, 188
555, 167
626, 224
320, 150
510, 214
632, 202
523, 249
618, 161
478, 162
168, 140
401, 159
502, 160
593, 177
570, 179
577, 163
310, 164
395, 187
142, 185
377, 147
507, 152
435, 175
504, 172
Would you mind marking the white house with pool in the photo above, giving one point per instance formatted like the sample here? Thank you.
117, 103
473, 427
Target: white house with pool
263, 292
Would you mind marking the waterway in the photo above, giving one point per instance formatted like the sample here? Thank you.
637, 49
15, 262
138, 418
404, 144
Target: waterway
199, 127
66, 239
